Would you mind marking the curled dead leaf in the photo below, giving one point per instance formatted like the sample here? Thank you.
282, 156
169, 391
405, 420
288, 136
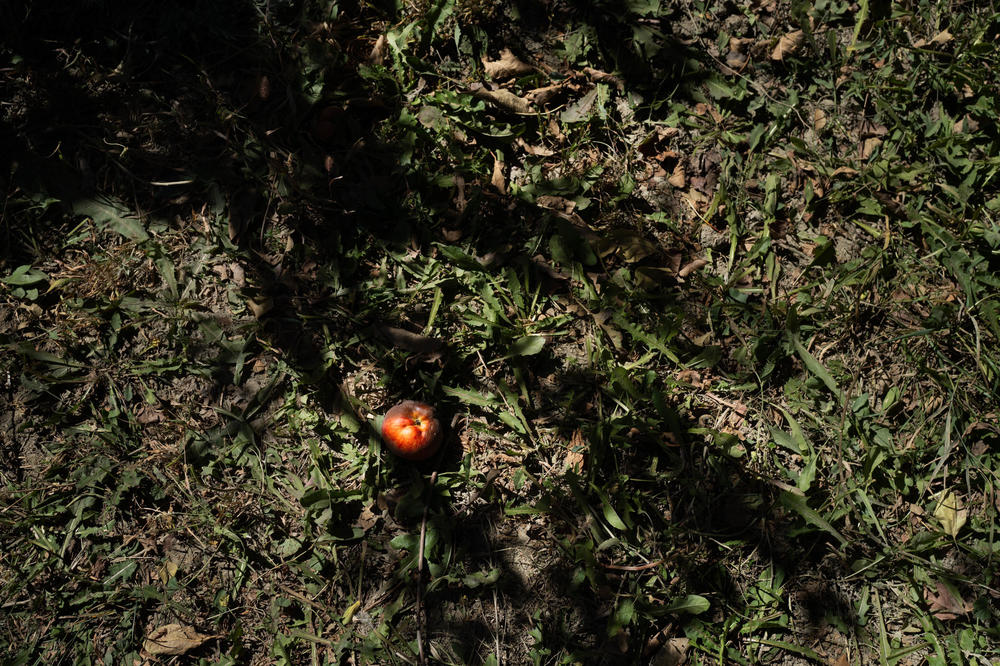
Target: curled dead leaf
672, 653
679, 177
409, 341
788, 44
379, 51
260, 306
868, 147
149, 414
537, 151
499, 181
843, 171
603, 77
574, 454
173, 639
507, 66
942, 37
819, 119
542, 96
691, 267
504, 99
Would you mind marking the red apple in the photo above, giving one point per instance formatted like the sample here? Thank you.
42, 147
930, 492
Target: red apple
411, 431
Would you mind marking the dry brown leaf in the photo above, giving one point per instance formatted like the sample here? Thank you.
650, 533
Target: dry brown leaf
944, 603
553, 202
842, 660
679, 177
555, 131
149, 414
409, 341
173, 639
379, 51
604, 77
260, 306
868, 146
541, 96
538, 151
574, 453
504, 99
819, 119
788, 44
691, 267
843, 171
508, 65
673, 653
942, 37
498, 180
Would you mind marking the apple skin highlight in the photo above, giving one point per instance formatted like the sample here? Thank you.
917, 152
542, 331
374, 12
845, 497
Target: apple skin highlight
411, 431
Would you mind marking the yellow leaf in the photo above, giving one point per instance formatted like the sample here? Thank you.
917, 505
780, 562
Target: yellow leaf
168, 570
950, 512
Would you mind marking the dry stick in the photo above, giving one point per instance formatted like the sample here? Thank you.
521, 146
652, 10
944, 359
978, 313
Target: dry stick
421, 620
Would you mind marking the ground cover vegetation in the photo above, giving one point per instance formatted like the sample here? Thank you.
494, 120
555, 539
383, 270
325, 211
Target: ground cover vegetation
705, 295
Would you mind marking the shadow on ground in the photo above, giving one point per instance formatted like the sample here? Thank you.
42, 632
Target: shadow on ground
204, 105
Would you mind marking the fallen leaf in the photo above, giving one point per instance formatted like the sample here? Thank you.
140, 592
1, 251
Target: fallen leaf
379, 51
553, 202
149, 414
691, 267
542, 96
673, 653
409, 341
868, 147
498, 180
260, 306
604, 77
507, 66
945, 603
263, 87
574, 454
942, 37
843, 171
788, 44
168, 570
842, 660
580, 109
173, 639
504, 99
950, 512
819, 119
537, 151
679, 177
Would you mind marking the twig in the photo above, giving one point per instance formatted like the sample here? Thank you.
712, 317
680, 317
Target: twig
637, 567
421, 620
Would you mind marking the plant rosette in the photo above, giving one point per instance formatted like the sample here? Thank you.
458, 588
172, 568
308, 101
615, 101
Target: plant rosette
411, 431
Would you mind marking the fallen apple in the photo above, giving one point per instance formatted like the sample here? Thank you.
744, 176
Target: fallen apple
411, 431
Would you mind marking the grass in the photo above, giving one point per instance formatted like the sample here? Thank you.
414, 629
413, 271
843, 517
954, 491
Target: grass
706, 298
